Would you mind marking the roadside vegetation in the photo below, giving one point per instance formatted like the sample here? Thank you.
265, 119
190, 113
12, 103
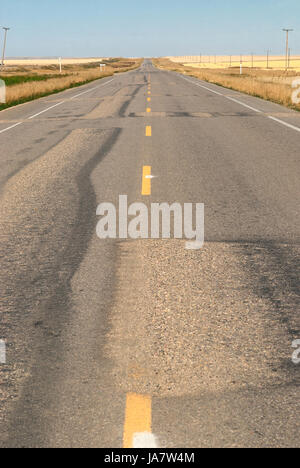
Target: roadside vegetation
272, 85
27, 83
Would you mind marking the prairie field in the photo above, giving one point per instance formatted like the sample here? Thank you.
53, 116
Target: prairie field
26, 82
272, 85
40, 62
274, 62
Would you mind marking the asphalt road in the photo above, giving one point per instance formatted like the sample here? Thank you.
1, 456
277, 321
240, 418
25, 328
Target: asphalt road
108, 339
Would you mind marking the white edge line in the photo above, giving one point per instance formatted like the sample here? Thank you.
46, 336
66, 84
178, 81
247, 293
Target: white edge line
56, 105
224, 95
243, 104
204, 87
284, 123
293, 127
90, 90
9, 128
144, 440
45, 110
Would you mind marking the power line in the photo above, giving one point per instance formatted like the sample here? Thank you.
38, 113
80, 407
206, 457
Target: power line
287, 47
4, 45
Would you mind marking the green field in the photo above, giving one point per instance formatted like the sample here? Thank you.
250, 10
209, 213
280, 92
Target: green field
19, 79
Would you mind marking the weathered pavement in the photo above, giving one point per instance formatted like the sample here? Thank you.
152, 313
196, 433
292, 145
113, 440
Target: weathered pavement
97, 330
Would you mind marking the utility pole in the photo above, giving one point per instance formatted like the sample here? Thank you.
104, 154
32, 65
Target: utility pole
287, 48
4, 45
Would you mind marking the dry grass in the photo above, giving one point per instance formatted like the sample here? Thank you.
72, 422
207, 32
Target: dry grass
267, 84
73, 75
36, 88
274, 62
52, 61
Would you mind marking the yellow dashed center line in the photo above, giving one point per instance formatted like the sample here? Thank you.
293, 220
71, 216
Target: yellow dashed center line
146, 182
138, 414
138, 417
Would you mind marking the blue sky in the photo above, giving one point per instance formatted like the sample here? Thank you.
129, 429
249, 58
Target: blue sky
148, 28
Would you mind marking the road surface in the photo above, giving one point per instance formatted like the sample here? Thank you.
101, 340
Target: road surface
114, 343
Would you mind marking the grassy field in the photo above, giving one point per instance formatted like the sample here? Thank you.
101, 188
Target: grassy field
44, 62
27, 82
272, 85
19, 79
274, 62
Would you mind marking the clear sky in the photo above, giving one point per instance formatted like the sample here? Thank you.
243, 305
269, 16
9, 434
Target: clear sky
90, 28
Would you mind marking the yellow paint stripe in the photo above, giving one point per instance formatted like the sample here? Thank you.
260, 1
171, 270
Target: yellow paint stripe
149, 92
148, 131
146, 183
149, 99
138, 417
148, 109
